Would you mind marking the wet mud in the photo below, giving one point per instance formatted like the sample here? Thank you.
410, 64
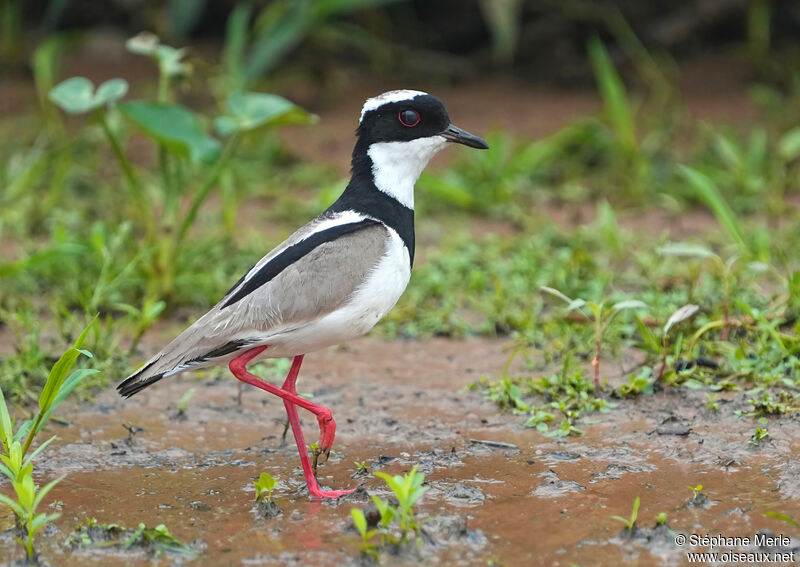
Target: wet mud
497, 491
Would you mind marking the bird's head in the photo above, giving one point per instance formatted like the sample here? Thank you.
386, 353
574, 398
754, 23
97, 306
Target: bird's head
400, 131
408, 116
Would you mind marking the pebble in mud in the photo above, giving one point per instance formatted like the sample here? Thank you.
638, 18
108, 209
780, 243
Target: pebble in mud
460, 494
553, 486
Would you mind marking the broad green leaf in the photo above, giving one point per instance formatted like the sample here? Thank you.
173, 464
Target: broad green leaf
250, 111
680, 314
77, 95
685, 249
174, 126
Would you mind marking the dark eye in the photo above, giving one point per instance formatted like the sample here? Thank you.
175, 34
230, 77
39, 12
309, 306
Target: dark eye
409, 117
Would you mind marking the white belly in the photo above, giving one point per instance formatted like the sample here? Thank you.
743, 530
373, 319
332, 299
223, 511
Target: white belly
374, 299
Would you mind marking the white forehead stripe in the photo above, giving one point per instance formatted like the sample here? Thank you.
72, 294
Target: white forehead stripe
385, 98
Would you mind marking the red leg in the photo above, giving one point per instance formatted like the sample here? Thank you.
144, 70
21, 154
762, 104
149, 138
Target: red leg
290, 399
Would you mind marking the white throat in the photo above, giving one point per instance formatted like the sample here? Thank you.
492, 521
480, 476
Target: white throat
396, 166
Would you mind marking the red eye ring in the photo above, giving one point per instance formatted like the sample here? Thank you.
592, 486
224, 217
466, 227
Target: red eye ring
409, 124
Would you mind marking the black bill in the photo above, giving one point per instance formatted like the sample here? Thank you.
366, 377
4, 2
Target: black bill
459, 136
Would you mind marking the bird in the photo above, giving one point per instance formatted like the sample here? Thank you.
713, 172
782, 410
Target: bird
334, 278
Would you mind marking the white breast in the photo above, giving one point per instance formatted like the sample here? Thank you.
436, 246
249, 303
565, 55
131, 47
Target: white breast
374, 299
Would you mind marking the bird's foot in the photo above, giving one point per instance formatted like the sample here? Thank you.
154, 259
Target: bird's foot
319, 493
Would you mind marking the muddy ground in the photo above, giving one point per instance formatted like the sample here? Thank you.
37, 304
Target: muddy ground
498, 492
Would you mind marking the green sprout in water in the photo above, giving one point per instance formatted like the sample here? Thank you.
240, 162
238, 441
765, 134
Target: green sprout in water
630, 523
265, 483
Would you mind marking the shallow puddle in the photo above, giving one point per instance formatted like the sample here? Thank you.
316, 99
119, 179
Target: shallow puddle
498, 492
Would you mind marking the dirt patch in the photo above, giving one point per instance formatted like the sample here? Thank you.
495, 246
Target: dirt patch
498, 491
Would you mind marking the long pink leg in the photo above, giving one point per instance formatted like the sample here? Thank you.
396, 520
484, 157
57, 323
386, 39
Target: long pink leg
290, 398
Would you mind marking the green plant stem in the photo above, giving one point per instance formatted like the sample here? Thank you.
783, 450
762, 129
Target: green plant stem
206, 187
130, 174
32, 433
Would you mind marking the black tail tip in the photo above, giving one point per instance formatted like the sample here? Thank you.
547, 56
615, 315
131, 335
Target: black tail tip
134, 384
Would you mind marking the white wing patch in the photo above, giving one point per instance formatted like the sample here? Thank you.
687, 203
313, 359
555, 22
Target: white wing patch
391, 96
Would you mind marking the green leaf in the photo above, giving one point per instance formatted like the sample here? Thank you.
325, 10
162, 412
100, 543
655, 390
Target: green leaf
250, 111
680, 314
789, 145
144, 43
59, 371
685, 249
554, 292
77, 95
6, 433
175, 127
38, 450
615, 97
708, 192
43, 491
630, 304
13, 505
359, 520
66, 388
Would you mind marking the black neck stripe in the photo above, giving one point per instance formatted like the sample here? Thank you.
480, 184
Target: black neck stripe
292, 254
362, 196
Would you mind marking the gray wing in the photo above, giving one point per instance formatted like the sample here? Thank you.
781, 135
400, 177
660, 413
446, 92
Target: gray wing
315, 285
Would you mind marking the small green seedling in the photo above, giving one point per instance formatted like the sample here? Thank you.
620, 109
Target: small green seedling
407, 489
161, 539
29, 497
362, 469
265, 483
711, 402
761, 434
185, 401
696, 491
367, 547
661, 519
630, 523
601, 316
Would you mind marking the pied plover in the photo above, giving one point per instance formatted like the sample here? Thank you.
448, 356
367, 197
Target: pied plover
331, 280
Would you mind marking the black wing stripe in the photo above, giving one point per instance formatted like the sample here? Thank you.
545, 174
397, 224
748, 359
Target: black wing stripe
227, 348
292, 254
